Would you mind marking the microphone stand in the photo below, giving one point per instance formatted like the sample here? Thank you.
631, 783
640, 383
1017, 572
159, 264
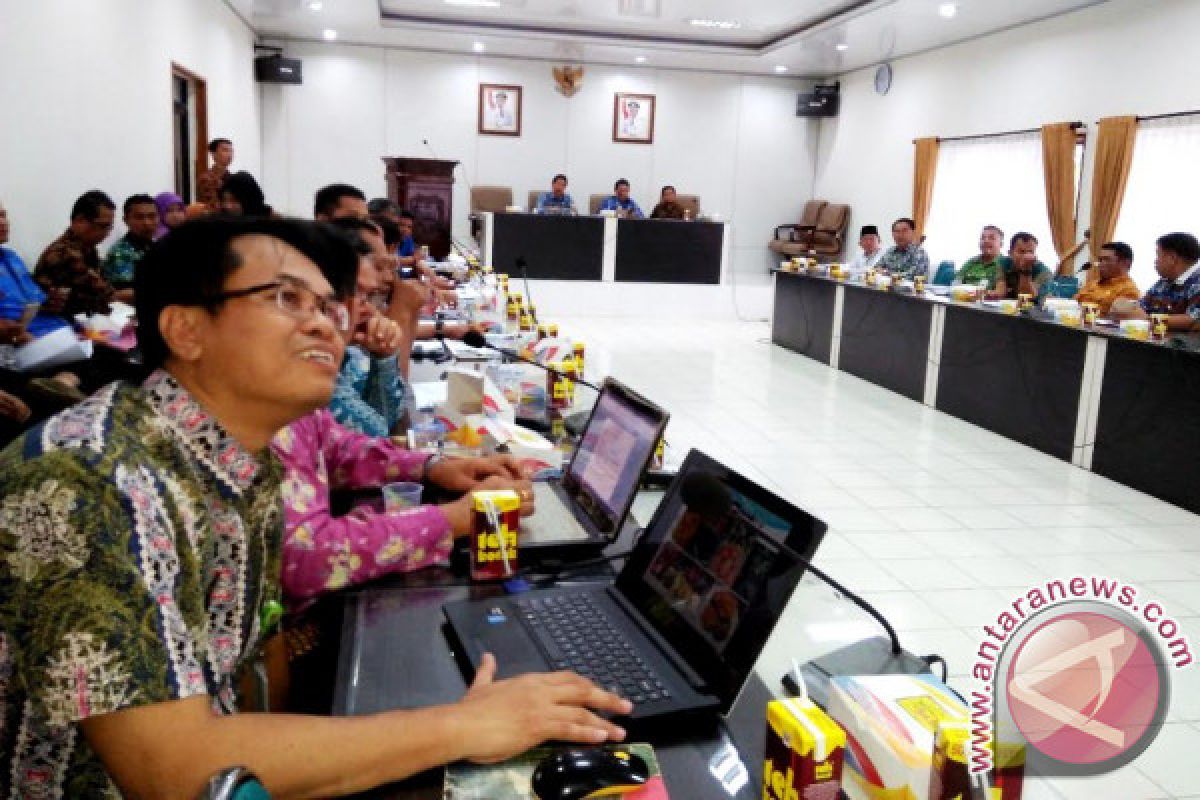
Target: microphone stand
477, 340
523, 265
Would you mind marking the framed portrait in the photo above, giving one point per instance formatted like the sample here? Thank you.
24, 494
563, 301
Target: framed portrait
633, 118
499, 109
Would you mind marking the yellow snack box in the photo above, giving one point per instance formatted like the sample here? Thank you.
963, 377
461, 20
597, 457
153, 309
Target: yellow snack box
494, 540
804, 752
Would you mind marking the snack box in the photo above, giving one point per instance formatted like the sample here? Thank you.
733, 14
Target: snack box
804, 753
891, 722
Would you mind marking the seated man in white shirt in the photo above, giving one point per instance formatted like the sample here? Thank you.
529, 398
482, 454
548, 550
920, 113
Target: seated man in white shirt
872, 251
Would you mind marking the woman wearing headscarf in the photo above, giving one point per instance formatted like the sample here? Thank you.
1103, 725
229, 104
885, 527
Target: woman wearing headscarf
171, 212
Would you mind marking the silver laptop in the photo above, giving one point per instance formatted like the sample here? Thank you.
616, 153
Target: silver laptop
586, 507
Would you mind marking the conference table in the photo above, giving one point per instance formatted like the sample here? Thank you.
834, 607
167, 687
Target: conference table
394, 654
1123, 408
599, 248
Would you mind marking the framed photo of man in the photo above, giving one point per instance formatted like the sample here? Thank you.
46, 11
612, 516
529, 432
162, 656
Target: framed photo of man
499, 109
633, 118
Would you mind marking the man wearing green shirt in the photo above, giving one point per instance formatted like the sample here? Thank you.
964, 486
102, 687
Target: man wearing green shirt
986, 265
140, 537
1021, 272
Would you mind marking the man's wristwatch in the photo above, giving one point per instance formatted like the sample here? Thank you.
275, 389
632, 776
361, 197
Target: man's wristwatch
439, 327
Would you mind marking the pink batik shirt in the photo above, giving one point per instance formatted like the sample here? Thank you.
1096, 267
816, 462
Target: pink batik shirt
321, 552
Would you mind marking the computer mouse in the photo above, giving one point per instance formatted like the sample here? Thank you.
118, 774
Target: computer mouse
578, 773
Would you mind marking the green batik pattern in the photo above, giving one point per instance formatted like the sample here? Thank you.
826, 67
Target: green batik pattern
135, 537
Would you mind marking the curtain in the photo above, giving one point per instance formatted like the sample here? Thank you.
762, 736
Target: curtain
991, 181
1114, 155
925, 160
1161, 194
1058, 168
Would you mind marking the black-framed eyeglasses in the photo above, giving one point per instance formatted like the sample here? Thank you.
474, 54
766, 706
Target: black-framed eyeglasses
296, 300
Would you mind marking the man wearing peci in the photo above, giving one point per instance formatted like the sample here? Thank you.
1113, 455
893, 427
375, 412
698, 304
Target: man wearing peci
872, 251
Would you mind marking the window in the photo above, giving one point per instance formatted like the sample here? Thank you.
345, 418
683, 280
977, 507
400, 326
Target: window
996, 180
1161, 195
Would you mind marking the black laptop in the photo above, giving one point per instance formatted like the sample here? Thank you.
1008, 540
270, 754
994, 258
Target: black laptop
583, 511
680, 629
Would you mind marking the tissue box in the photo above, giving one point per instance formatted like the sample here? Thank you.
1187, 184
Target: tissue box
891, 723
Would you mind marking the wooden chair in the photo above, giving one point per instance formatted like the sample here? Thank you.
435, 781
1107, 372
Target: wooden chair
828, 236
690, 202
798, 239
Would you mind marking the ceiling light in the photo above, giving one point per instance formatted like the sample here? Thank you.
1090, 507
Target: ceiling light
948, 10
329, 34
478, 47
640, 59
474, 3
315, 5
842, 47
780, 68
723, 24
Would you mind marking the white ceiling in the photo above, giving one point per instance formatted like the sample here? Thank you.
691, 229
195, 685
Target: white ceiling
801, 35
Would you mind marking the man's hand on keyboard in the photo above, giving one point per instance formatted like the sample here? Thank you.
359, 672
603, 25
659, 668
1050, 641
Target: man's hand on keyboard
503, 718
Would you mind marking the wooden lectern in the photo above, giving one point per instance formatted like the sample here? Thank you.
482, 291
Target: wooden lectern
425, 186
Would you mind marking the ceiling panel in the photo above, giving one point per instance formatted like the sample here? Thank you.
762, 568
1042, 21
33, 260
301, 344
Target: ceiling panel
796, 38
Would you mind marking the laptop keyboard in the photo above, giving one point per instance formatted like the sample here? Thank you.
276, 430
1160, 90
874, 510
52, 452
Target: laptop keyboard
552, 521
577, 635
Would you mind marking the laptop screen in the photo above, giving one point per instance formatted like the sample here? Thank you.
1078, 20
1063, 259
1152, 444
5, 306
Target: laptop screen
709, 574
615, 447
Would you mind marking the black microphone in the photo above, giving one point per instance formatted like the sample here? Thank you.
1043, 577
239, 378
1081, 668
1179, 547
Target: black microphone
709, 497
478, 340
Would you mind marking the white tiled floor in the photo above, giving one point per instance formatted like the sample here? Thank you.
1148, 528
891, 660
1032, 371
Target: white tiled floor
937, 522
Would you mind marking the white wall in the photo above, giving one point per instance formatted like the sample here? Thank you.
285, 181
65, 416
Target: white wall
86, 99
1122, 57
734, 141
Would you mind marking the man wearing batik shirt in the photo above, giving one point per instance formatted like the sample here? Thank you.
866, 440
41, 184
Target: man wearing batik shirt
139, 554
141, 219
370, 395
323, 553
1177, 292
208, 183
1113, 282
69, 268
907, 259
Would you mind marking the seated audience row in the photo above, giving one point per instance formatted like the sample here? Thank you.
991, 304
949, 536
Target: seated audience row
1020, 272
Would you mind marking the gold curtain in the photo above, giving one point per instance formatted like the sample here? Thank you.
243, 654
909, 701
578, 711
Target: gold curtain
924, 170
1114, 156
1058, 170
